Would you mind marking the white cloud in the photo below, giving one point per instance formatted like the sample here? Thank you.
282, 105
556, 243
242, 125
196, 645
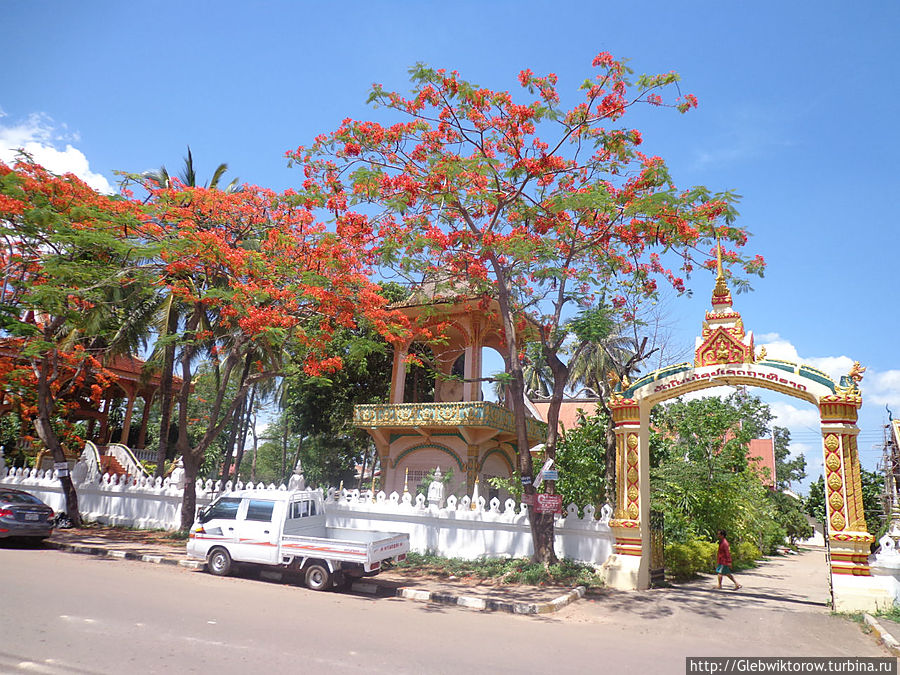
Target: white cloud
879, 388
811, 452
720, 392
779, 348
884, 389
40, 137
788, 415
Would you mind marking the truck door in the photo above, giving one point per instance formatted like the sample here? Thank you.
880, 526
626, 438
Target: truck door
217, 522
259, 530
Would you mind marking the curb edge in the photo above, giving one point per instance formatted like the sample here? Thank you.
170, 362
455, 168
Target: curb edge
886, 638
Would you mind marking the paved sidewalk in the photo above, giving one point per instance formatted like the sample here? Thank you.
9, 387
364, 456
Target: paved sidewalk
784, 598
157, 547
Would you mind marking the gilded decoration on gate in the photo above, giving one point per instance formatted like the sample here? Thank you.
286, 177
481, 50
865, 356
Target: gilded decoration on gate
849, 385
722, 339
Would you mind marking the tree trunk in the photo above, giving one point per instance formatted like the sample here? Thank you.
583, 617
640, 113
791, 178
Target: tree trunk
43, 423
232, 437
165, 409
229, 446
541, 524
284, 440
189, 501
244, 422
255, 449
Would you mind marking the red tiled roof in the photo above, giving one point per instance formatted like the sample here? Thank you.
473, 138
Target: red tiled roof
761, 456
568, 412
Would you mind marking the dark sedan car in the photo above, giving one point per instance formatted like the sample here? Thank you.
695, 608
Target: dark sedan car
24, 515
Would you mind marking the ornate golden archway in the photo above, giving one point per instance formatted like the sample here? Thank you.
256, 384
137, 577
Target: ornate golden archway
725, 355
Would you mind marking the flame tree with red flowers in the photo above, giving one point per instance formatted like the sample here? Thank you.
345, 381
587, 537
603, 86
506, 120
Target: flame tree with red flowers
525, 202
264, 285
71, 278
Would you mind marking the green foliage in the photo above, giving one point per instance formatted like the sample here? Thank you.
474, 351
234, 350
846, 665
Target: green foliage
329, 461
504, 570
790, 515
320, 410
701, 479
687, 559
581, 460
787, 470
512, 485
594, 325
744, 554
815, 500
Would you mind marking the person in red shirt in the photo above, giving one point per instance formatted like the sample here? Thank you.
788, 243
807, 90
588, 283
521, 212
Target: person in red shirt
723, 561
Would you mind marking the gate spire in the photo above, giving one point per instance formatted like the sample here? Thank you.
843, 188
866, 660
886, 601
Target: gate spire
723, 339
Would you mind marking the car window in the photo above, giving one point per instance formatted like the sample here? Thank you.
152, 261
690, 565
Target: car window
259, 509
225, 509
19, 498
303, 509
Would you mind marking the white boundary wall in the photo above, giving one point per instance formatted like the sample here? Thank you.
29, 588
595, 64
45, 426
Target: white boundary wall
460, 529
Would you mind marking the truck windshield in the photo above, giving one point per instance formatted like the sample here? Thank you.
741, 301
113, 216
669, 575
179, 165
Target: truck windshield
225, 509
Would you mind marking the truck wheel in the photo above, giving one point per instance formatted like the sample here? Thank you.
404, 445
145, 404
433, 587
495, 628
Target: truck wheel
219, 562
318, 578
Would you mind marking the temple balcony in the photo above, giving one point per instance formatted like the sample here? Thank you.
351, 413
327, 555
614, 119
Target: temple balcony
476, 421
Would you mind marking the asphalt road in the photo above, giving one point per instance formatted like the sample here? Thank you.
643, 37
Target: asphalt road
66, 613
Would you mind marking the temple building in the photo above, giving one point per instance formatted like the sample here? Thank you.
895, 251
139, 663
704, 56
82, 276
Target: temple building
437, 415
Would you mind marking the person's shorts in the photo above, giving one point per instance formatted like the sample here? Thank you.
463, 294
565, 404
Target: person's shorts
723, 569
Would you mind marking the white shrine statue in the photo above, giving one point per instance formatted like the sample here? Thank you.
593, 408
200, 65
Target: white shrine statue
176, 479
297, 480
436, 490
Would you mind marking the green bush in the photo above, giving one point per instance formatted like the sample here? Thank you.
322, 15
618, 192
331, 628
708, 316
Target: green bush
687, 560
745, 554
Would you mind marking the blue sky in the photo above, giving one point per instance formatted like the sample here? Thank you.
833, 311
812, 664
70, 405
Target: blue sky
798, 113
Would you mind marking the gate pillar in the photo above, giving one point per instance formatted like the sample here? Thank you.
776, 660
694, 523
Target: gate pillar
848, 537
628, 568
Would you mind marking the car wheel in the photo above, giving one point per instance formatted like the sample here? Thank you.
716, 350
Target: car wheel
219, 562
318, 578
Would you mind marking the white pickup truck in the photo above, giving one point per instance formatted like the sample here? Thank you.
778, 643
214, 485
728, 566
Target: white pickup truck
287, 529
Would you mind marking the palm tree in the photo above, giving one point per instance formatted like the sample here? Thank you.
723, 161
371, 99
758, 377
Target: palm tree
188, 176
171, 312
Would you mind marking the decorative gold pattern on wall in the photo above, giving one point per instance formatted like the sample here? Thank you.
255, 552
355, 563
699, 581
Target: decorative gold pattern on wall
834, 482
472, 414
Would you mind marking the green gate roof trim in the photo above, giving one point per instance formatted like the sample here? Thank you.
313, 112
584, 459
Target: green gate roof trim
802, 370
654, 376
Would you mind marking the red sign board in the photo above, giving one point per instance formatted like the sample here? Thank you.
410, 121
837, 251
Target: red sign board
528, 499
548, 503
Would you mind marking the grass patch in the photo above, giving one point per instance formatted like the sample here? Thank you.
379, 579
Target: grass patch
892, 614
503, 571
